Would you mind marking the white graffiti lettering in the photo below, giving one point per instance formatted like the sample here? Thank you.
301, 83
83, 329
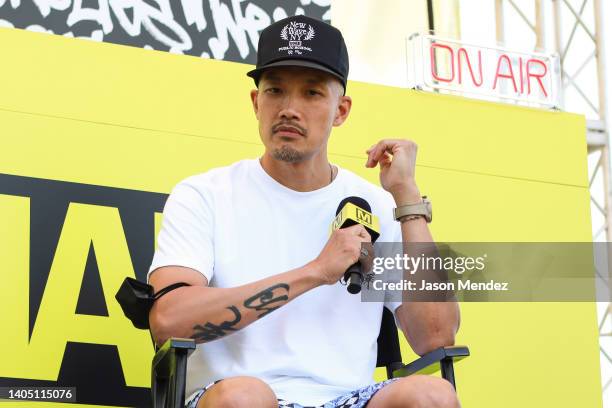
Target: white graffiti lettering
206, 28
100, 15
144, 15
194, 13
225, 23
14, 4
45, 6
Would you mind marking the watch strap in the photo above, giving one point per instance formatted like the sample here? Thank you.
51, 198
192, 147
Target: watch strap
423, 208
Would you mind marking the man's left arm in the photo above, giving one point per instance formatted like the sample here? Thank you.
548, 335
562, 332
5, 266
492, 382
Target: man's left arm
426, 325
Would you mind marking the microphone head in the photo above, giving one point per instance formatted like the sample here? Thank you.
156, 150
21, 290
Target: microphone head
358, 201
355, 210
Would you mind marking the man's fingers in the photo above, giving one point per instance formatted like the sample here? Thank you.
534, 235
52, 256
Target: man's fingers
371, 162
357, 229
386, 158
384, 150
360, 231
375, 154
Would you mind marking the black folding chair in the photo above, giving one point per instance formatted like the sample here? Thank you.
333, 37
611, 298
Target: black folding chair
170, 363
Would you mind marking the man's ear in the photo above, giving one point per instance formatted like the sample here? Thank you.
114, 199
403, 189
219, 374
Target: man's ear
254, 94
343, 110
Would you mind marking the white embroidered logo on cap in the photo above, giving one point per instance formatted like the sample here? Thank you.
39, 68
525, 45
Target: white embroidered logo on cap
295, 33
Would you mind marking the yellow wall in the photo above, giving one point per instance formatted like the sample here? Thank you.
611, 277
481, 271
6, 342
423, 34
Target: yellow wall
109, 115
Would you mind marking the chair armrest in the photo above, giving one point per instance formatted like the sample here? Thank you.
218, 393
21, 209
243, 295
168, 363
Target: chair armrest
168, 372
164, 360
445, 356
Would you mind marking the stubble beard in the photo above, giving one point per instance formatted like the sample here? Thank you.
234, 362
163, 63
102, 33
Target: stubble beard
288, 154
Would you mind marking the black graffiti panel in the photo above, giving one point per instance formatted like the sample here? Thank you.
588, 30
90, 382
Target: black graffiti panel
95, 369
219, 29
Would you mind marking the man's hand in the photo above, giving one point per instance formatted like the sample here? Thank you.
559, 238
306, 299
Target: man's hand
341, 251
397, 160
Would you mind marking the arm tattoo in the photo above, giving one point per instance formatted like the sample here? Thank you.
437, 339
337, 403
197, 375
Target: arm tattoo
210, 331
260, 302
266, 297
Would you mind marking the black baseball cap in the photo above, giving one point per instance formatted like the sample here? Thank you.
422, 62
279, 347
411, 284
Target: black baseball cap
303, 42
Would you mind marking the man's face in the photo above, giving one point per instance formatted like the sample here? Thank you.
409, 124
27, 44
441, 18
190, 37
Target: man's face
296, 108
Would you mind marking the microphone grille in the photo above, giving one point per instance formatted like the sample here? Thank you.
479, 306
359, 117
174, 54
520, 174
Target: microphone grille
357, 201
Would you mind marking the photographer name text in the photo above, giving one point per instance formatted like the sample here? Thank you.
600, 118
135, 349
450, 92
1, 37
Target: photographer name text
424, 285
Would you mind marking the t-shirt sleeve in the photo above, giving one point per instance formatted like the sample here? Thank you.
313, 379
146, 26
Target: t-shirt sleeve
186, 235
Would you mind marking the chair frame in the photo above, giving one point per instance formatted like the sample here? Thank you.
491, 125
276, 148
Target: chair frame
169, 368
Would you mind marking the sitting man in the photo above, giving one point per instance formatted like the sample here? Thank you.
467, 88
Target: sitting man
273, 324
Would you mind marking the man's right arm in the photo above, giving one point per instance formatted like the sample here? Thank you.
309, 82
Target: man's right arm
206, 313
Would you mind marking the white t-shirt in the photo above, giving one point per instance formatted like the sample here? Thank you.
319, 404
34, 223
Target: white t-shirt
237, 225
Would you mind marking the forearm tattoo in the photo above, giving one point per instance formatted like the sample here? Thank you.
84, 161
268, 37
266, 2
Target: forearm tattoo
210, 331
266, 300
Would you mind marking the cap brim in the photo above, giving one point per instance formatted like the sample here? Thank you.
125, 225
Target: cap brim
256, 73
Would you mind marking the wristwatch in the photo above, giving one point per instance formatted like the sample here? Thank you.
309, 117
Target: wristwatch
423, 208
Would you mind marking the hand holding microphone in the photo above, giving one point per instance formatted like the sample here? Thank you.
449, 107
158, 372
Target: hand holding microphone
354, 225
342, 250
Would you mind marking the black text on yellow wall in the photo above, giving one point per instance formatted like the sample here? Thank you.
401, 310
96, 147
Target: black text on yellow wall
64, 250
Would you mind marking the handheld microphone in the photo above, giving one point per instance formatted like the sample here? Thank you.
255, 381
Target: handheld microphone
352, 211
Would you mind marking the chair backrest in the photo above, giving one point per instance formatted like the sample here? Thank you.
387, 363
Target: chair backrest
389, 354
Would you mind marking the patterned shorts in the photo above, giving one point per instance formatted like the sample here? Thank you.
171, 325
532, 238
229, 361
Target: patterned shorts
354, 399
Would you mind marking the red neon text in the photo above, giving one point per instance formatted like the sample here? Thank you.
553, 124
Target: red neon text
524, 77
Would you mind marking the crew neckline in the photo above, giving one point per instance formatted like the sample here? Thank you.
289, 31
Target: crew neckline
269, 180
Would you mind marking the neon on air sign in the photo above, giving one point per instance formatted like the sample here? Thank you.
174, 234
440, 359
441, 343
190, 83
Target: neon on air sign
494, 73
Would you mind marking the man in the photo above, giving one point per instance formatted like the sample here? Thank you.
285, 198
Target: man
275, 326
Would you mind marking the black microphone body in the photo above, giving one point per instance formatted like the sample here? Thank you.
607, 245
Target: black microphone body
355, 278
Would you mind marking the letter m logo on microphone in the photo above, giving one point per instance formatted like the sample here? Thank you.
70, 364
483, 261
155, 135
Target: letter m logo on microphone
364, 216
